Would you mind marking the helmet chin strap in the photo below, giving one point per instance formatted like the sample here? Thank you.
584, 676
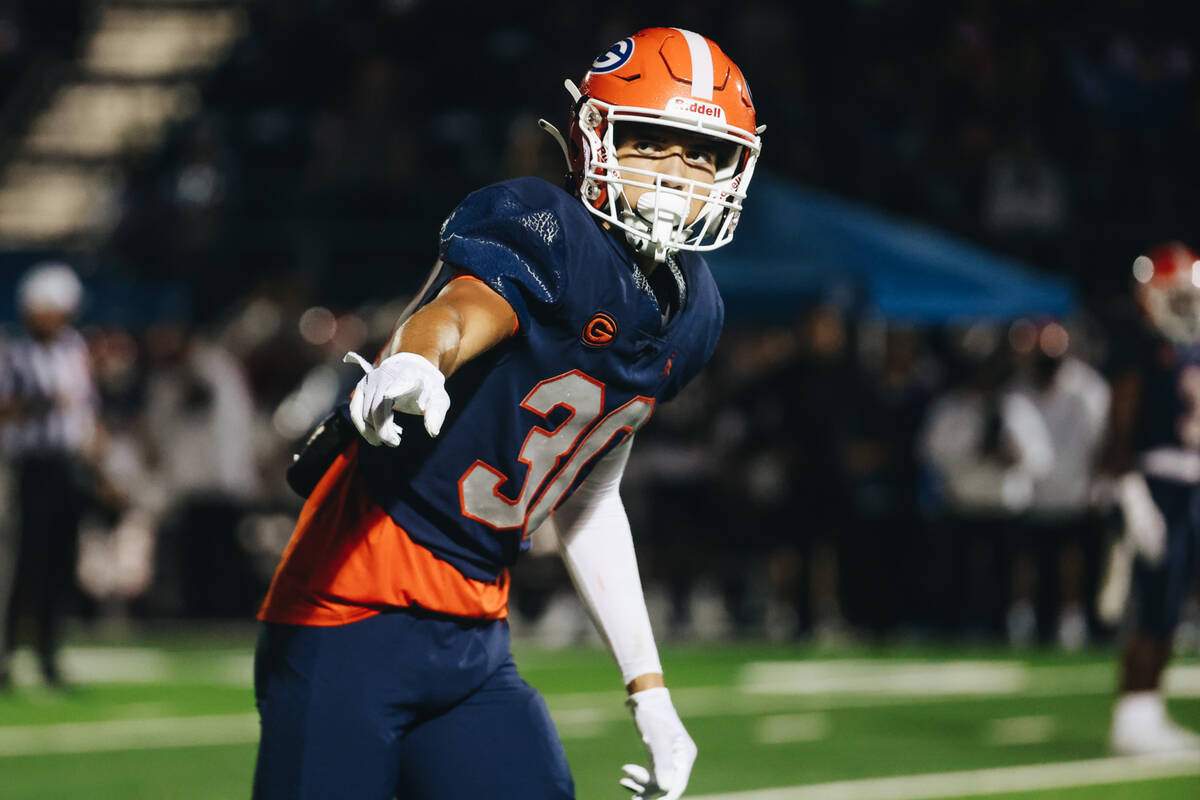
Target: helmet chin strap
559, 140
657, 216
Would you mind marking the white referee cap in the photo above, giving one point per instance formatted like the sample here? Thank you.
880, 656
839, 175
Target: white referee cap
50, 286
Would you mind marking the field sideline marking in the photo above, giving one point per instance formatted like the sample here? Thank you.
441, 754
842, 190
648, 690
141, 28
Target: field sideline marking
804, 685
573, 721
973, 783
826, 678
789, 728
1011, 731
127, 734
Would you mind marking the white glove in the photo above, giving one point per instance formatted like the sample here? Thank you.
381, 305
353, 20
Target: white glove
404, 382
672, 752
1145, 528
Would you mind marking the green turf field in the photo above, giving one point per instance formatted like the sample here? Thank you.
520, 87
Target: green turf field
172, 718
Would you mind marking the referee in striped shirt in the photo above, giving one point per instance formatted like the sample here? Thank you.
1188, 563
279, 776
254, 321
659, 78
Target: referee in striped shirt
48, 432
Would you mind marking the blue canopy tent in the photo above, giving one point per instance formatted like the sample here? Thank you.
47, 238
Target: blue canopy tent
795, 245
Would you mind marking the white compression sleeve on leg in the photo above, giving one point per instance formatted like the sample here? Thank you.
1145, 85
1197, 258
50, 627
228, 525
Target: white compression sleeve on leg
597, 547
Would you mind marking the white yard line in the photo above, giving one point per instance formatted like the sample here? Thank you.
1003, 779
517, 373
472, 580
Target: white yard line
1183, 681
99, 665
128, 734
921, 678
1013, 731
243, 729
841, 678
140, 665
804, 686
790, 728
973, 783
862, 676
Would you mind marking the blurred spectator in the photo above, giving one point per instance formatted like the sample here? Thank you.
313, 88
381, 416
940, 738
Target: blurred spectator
817, 487
787, 407
200, 420
9, 533
49, 432
883, 413
988, 445
1062, 539
693, 544
757, 449
116, 545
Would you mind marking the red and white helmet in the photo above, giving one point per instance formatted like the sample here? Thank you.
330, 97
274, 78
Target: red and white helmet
1167, 287
675, 79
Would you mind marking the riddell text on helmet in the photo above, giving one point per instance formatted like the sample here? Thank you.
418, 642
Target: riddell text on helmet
688, 105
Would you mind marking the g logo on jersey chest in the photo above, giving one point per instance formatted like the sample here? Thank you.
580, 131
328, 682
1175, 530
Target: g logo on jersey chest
600, 330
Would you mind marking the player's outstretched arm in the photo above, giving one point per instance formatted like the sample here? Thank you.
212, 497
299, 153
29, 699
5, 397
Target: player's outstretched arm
466, 319
597, 547
1118, 484
1145, 530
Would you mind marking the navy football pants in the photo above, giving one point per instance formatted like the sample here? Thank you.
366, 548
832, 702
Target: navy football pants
1160, 591
401, 705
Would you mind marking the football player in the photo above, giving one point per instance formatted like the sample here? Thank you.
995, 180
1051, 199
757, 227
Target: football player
554, 322
1154, 452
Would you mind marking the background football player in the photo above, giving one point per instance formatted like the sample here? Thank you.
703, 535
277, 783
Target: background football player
1154, 452
554, 323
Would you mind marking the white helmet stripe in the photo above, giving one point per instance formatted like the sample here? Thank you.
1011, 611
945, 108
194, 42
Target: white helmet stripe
702, 66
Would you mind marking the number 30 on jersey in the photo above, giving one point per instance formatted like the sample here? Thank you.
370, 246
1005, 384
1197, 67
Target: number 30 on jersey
567, 449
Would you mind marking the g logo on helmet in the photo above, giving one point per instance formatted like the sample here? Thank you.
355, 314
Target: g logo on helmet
614, 57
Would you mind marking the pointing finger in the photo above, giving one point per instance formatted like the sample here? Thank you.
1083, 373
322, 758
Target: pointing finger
354, 358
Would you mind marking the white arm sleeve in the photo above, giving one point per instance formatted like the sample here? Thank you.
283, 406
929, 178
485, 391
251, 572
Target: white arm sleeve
597, 547
1025, 428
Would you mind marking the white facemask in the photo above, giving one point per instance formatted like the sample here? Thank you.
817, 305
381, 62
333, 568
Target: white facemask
656, 227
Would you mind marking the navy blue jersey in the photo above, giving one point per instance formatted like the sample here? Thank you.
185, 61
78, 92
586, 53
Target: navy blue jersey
1169, 404
528, 420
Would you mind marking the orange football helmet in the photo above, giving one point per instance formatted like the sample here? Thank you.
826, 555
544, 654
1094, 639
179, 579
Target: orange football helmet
679, 80
1167, 287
